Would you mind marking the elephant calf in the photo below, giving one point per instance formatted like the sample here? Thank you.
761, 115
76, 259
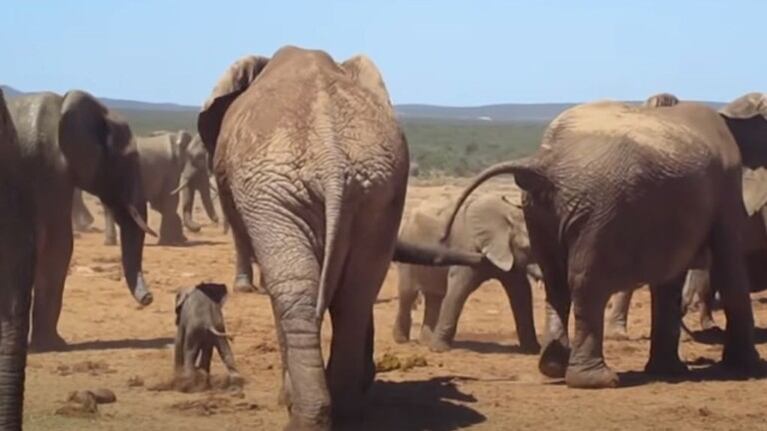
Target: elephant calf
200, 325
492, 225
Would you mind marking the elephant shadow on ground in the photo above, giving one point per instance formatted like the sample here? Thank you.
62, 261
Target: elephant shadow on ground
188, 243
704, 370
489, 347
150, 343
436, 404
716, 336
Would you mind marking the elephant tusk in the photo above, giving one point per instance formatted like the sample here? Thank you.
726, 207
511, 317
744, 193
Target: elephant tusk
180, 186
140, 221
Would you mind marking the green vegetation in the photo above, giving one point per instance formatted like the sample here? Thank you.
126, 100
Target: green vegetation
441, 147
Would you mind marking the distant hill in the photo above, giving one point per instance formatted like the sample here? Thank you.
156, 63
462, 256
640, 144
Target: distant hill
119, 104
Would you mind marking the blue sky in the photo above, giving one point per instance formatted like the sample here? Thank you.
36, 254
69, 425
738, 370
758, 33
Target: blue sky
440, 52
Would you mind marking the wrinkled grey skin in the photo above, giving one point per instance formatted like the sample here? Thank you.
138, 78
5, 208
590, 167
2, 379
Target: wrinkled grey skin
82, 219
166, 168
622, 195
74, 141
491, 224
17, 268
200, 328
312, 170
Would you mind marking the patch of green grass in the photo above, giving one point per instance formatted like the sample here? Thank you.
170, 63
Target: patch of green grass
441, 147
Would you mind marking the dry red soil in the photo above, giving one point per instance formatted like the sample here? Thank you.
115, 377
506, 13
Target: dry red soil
483, 383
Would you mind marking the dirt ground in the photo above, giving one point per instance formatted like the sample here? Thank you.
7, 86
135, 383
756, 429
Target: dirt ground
483, 383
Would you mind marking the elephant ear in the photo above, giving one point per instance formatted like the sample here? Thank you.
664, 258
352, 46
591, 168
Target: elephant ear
85, 138
362, 70
181, 297
661, 100
746, 106
215, 291
490, 227
182, 140
234, 82
754, 189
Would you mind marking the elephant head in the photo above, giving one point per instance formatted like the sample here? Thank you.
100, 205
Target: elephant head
746, 117
660, 100
195, 177
102, 158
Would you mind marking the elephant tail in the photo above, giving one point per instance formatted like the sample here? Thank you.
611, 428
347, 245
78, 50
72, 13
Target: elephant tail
528, 175
334, 198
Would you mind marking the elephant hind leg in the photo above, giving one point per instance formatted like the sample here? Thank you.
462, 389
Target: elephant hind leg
433, 303
666, 321
461, 282
520, 295
243, 277
54, 252
407, 297
590, 292
617, 316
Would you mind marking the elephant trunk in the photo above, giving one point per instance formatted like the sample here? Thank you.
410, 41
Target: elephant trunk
187, 203
131, 216
432, 255
207, 201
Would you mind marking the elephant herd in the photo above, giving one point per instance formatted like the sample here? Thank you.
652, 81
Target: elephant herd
311, 168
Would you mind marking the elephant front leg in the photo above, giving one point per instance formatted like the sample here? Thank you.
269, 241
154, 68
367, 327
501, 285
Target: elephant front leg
54, 254
617, 316
666, 322
407, 296
461, 282
520, 296
586, 367
432, 305
171, 230
110, 232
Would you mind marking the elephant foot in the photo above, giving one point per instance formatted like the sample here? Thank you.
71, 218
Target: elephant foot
554, 359
616, 331
243, 284
743, 361
47, 343
110, 241
707, 324
426, 335
198, 381
399, 335
170, 242
439, 345
669, 367
529, 347
597, 376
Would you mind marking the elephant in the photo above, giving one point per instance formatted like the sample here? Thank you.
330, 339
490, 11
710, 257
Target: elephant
74, 141
81, 217
162, 157
17, 270
660, 100
200, 324
617, 196
312, 168
491, 224
697, 283
195, 178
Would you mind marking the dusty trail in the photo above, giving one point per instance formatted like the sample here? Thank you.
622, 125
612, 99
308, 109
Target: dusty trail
482, 384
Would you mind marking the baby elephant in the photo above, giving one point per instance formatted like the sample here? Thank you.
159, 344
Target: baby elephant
200, 325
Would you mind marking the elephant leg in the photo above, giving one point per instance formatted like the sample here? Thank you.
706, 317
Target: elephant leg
729, 277
227, 356
350, 367
586, 367
617, 315
706, 300
407, 296
461, 282
54, 254
110, 232
243, 277
520, 295
187, 208
171, 230
665, 331
291, 273
206, 354
81, 217
178, 351
284, 397
432, 305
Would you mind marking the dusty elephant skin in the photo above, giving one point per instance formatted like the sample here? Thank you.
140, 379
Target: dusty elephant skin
17, 267
167, 167
200, 328
312, 168
618, 196
69, 141
492, 225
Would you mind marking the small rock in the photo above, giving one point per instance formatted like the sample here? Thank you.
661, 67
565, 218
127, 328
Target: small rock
104, 396
135, 382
